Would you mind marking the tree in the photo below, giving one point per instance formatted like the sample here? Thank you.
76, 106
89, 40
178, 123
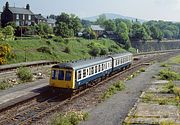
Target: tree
156, 33
122, 30
71, 23
138, 32
109, 25
62, 30
89, 33
44, 29
101, 19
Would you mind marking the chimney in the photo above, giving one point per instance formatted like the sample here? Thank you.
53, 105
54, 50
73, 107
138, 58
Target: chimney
27, 7
7, 5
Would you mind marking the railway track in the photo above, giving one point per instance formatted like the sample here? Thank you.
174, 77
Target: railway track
35, 110
5, 68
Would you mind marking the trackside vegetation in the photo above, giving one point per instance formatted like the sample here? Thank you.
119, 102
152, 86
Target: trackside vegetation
70, 118
113, 89
167, 74
59, 49
25, 74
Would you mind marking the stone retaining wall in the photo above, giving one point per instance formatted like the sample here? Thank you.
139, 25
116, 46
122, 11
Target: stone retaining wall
155, 45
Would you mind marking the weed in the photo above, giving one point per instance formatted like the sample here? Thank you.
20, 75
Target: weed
25, 74
71, 118
169, 87
119, 86
4, 85
164, 65
167, 74
142, 70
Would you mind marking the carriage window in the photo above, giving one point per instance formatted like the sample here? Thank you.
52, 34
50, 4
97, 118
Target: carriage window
87, 70
99, 68
53, 74
68, 75
92, 70
61, 75
96, 69
79, 74
110, 64
84, 73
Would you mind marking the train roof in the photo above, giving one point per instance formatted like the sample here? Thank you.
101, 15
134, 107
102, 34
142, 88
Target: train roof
87, 62
120, 55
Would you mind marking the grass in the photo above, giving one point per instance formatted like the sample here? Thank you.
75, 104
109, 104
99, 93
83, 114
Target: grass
63, 50
119, 86
175, 60
4, 85
70, 118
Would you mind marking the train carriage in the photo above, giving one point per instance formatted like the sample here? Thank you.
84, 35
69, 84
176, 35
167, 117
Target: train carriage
75, 74
72, 75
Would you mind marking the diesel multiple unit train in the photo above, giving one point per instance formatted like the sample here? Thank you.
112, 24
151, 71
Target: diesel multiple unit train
73, 75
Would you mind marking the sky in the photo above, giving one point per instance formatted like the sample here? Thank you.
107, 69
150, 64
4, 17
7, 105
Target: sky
168, 10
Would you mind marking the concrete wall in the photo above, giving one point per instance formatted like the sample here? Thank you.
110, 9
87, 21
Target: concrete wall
155, 45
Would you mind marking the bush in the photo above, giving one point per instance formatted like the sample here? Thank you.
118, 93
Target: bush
167, 74
25, 74
44, 49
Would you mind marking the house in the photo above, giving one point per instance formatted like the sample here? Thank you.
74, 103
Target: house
98, 29
111, 35
39, 19
21, 16
51, 22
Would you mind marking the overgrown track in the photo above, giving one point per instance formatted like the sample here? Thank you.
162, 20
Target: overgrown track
4, 68
37, 108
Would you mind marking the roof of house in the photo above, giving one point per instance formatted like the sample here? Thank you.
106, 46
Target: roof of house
39, 17
97, 27
20, 10
51, 21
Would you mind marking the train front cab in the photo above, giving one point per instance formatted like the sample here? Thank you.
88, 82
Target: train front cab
62, 78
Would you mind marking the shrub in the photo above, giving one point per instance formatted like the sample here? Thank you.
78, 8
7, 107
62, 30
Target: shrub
25, 74
5, 50
167, 74
44, 49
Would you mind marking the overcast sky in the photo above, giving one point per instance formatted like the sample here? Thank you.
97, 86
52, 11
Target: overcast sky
143, 9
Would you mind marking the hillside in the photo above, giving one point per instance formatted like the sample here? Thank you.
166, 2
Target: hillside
113, 16
59, 49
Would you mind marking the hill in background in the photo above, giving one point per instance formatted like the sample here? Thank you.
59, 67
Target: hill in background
113, 16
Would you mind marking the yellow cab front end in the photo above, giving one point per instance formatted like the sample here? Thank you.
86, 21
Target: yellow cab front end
62, 78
